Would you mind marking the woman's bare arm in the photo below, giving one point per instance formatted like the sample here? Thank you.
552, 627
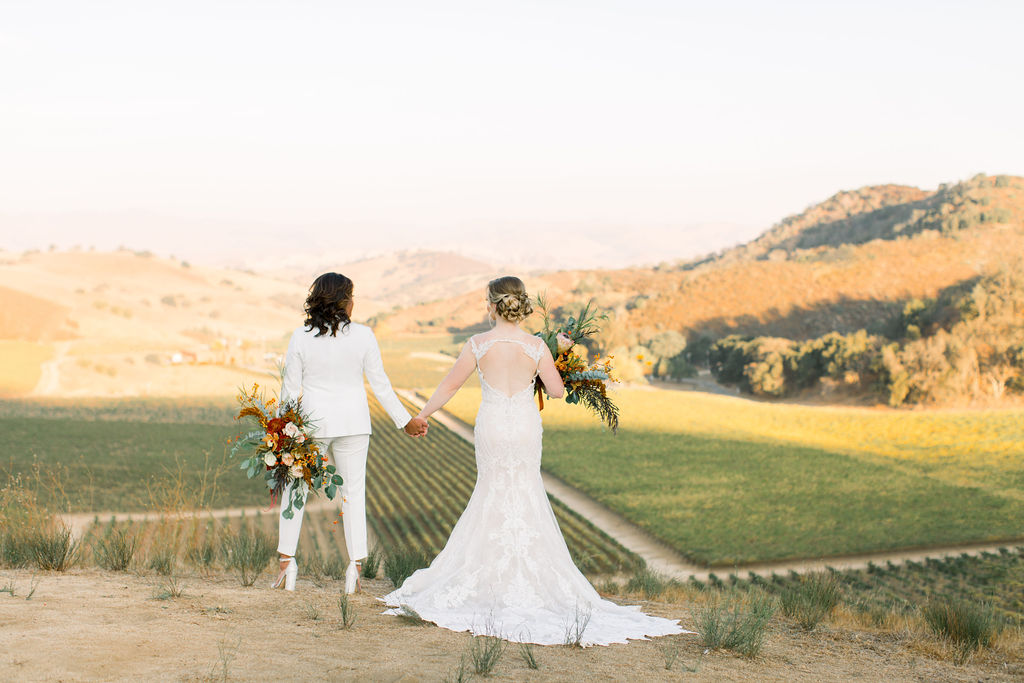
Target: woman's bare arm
549, 374
456, 377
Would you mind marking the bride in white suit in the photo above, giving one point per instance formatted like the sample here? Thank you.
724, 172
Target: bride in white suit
327, 359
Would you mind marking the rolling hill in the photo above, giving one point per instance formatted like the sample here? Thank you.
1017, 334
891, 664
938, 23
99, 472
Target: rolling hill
853, 262
398, 279
116, 323
846, 263
129, 323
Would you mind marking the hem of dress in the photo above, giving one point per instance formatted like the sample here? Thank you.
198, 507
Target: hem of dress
394, 608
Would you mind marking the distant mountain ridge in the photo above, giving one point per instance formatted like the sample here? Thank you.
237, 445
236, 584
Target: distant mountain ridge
843, 264
889, 212
396, 279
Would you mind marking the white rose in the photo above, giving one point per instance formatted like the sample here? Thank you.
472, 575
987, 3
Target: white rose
288, 459
270, 459
291, 430
564, 342
301, 438
296, 471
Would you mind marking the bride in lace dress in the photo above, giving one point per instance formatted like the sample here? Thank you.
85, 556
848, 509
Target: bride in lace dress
506, 570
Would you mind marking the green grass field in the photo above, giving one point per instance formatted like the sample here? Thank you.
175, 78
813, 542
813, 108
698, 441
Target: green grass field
155, 454
101, 454
419, 361
725, 481
728, 481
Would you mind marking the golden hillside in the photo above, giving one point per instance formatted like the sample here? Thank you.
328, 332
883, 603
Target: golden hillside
130, 323
126, 323
844, 264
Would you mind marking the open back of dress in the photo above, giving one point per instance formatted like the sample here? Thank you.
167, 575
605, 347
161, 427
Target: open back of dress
508, 366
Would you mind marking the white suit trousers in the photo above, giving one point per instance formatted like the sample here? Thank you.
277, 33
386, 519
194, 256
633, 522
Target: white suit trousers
348, 454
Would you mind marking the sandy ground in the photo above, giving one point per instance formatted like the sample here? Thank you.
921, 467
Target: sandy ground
89, 625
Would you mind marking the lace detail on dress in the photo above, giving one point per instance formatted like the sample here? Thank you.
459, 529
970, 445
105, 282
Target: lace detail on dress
506, 569
534, 351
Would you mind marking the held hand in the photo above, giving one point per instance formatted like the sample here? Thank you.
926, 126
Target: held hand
416, 427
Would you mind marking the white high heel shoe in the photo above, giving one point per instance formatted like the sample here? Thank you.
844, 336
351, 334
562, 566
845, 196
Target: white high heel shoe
286, 579
352, 578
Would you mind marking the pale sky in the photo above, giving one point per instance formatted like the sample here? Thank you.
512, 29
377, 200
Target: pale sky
652, 127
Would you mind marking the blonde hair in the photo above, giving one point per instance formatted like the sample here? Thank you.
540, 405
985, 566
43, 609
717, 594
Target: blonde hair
508, 294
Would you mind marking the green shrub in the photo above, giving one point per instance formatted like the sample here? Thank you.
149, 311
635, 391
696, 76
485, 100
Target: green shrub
401, 562
162, 561
15, 550
485, 652
202, 554
967, 625
735, 626
765, 371
20, 518
115, 551
371, 563
527, 654
664, 348
649, 582
575, 629
54, 548
727, 358
247, 552
346, 610
334, 567
811, 599
410, 616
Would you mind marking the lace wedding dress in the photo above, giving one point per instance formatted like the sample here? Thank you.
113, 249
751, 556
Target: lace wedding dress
506, 570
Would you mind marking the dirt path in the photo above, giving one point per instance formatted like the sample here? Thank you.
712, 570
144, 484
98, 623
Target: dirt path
49, 377
93, 625
434, 356
79, 523
702, 382
666, 560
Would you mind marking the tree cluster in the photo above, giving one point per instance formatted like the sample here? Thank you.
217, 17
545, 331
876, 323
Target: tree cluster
966, 344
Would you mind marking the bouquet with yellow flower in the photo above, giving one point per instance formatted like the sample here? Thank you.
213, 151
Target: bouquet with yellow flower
283, 449
586, 383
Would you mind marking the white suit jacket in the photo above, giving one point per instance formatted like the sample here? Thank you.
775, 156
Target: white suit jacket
328, 373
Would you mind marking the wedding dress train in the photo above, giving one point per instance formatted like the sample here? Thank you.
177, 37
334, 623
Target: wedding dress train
506, 570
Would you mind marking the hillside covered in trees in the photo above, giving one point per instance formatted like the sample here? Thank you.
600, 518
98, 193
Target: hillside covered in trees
967, 343
875, 267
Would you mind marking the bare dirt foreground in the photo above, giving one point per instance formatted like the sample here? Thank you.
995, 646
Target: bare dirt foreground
89, 625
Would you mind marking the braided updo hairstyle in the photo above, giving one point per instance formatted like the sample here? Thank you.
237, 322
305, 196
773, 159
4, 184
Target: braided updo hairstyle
508, 294
327, 304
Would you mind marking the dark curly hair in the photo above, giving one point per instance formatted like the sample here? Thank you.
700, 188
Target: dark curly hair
327, 302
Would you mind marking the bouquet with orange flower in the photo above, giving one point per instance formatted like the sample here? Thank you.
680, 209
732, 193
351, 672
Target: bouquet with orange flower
282, 447
585, 383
